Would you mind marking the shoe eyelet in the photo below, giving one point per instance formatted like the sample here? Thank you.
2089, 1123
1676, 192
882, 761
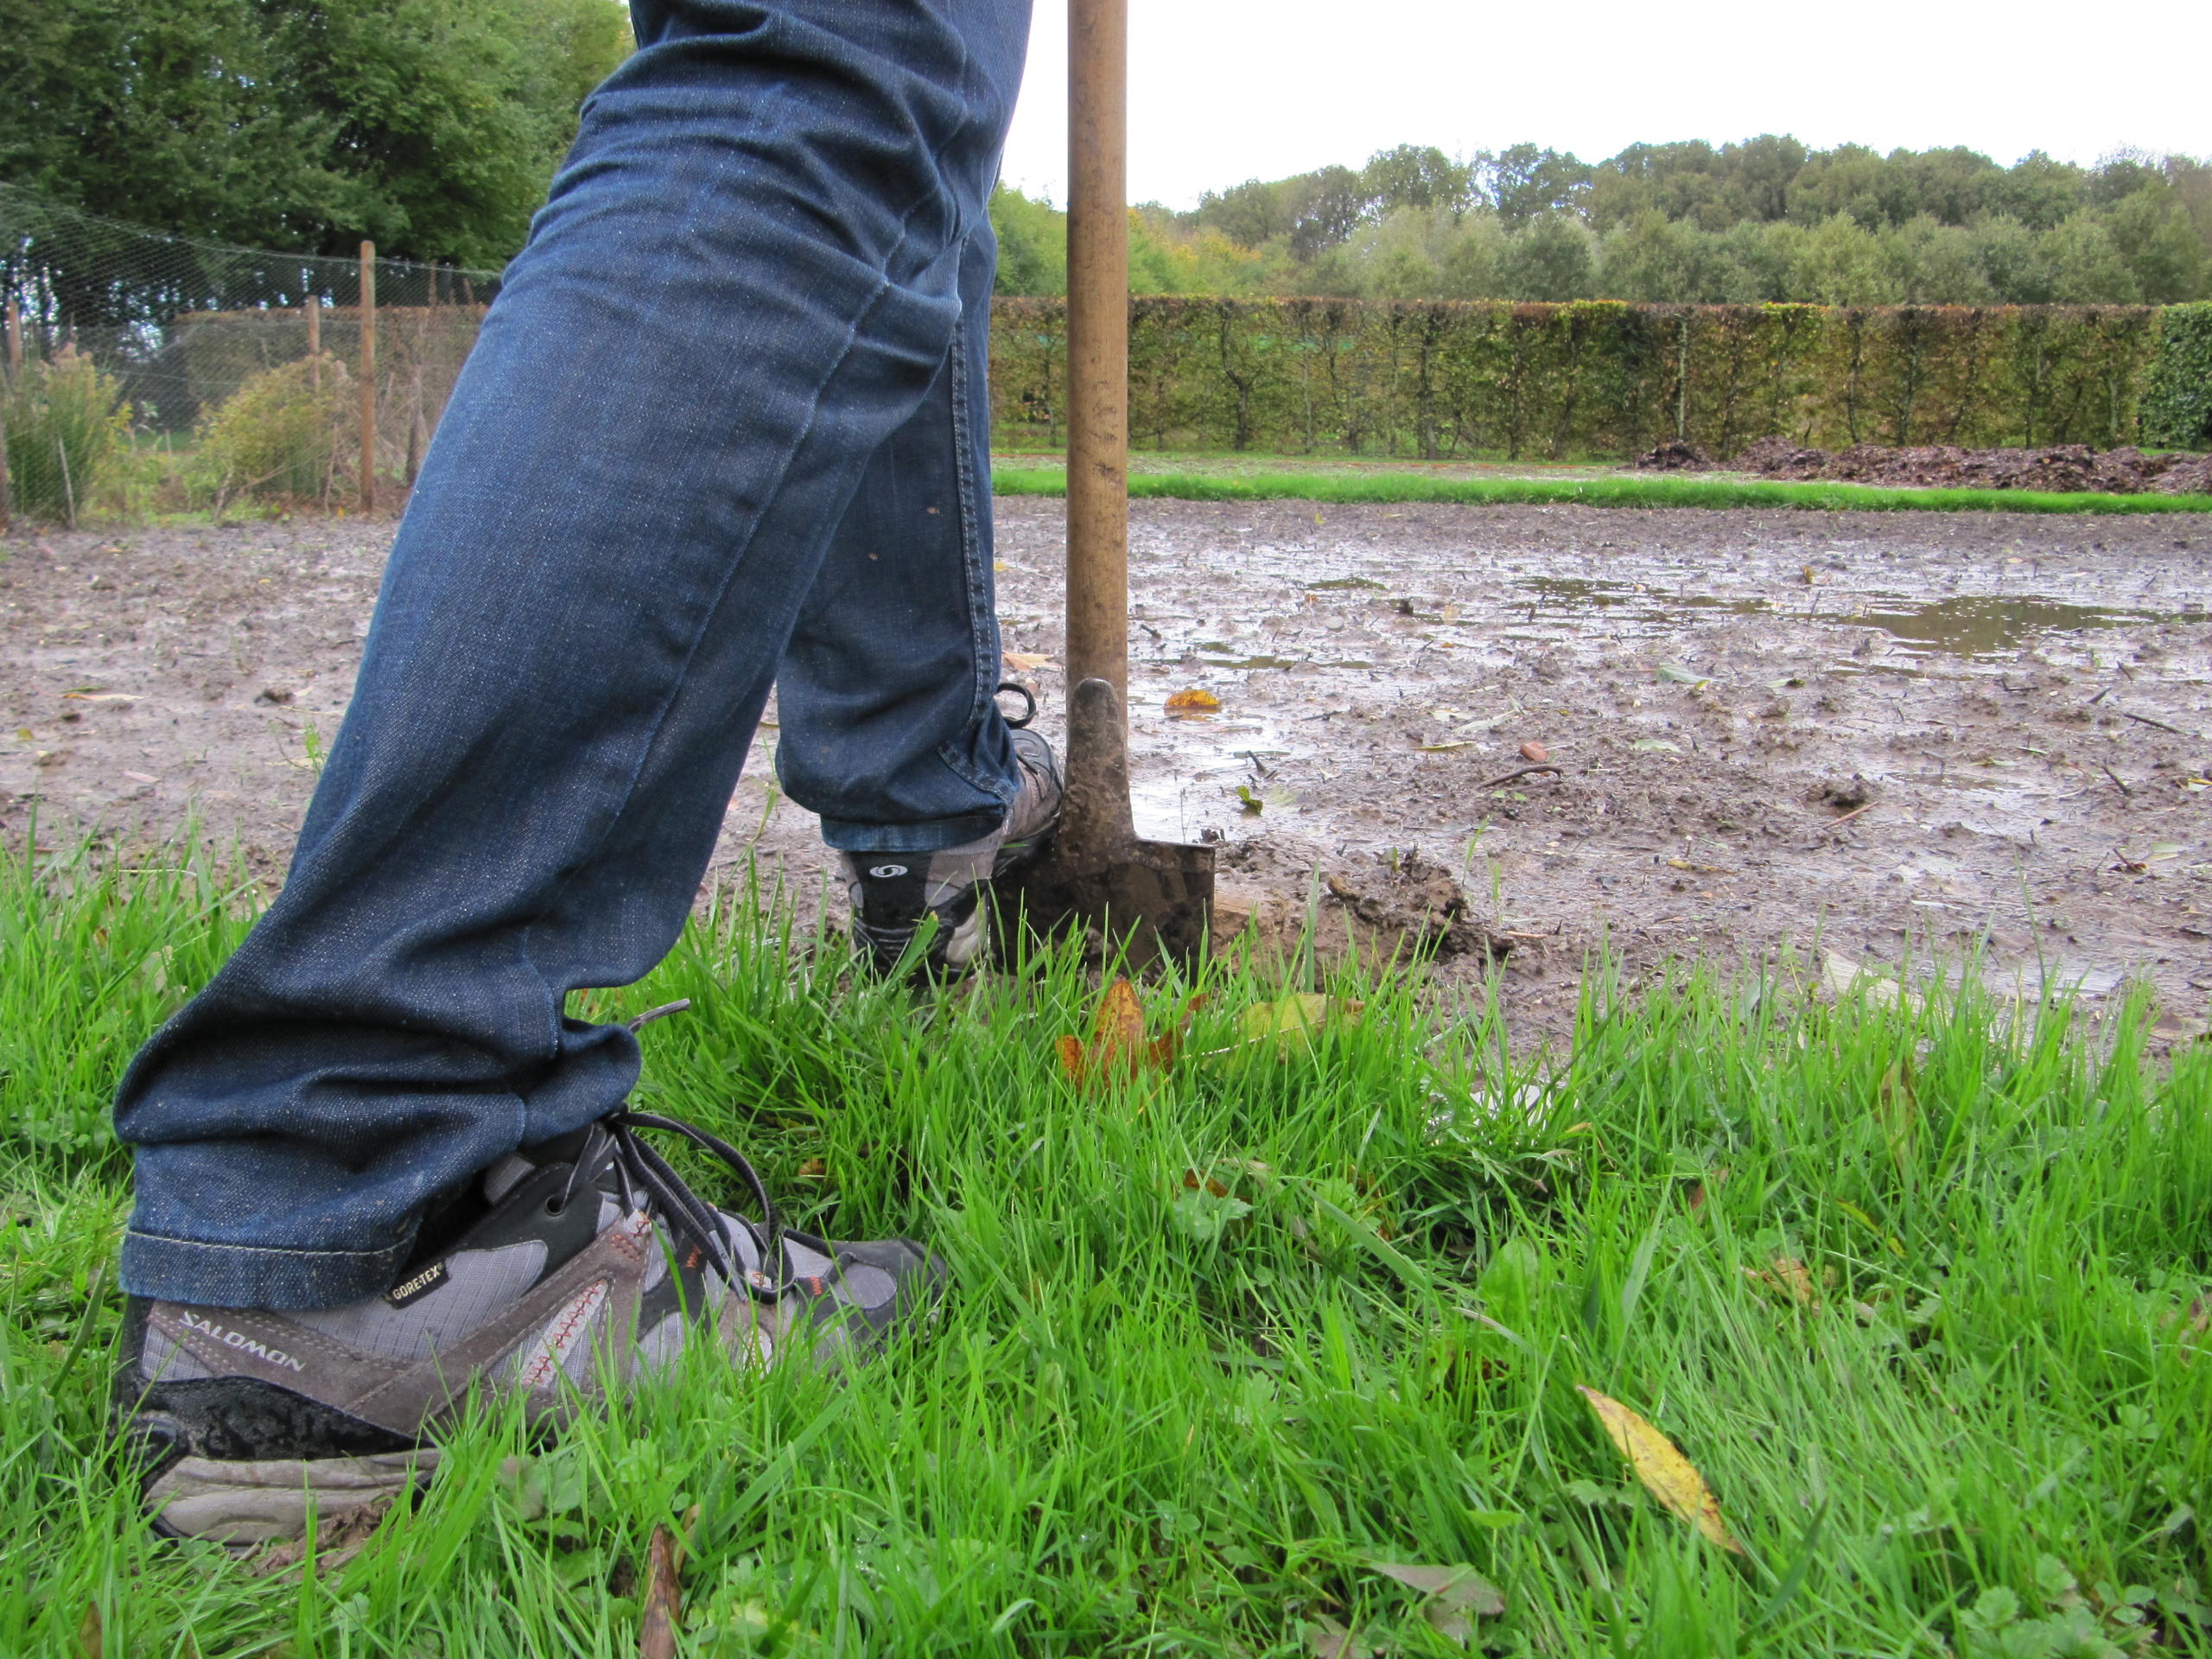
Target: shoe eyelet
555, 1205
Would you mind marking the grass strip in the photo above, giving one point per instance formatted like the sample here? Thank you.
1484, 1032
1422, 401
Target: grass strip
1660, 492
1911, 1282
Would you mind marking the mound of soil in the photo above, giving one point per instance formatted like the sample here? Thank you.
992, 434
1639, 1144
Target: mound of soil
1676, 455
2064, 468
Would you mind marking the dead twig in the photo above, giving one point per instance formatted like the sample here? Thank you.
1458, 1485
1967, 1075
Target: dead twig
1522, 772
2146, 720
2124, 790
1847, 816
664, 1614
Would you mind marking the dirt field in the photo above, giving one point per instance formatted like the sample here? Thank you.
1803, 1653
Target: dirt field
1882, 730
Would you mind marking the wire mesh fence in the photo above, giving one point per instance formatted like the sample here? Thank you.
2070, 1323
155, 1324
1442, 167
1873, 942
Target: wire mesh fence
182, 326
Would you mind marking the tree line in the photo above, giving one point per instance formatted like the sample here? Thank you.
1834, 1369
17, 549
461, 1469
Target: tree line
1768, 220
432, 126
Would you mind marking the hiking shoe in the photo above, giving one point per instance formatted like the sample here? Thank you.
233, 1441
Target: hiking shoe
893, 893
580, 1265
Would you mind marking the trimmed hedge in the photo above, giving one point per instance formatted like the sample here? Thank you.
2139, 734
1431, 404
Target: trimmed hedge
1437, 379
2178, 403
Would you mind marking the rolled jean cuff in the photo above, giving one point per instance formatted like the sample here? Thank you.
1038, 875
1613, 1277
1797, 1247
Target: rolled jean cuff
254, 1275
938, 836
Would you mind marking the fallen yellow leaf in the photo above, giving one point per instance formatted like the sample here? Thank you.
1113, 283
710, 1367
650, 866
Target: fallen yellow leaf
1290, 1021
1790, 1278
1659, 1464
1028, 662
1194, 699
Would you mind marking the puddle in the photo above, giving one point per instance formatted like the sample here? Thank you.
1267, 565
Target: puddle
1185, 774
1986, 625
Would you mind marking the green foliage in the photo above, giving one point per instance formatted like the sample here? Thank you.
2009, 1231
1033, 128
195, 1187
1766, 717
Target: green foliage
66, 432
1437, 379
285, 434
431, 126
1033, 244
2177, 402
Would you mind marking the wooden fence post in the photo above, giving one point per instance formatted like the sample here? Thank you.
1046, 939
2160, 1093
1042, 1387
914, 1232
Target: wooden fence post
314, 308
368, 376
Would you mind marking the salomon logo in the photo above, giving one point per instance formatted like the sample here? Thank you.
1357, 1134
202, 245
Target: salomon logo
885, 872
239, 1340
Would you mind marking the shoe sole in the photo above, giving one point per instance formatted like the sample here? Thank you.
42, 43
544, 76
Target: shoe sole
252, 1502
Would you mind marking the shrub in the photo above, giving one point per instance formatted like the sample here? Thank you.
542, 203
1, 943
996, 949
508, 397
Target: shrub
284, 435
2178, 403
66, 430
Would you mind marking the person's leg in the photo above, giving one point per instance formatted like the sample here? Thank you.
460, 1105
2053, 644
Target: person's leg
889, 727
747, 280
884, 696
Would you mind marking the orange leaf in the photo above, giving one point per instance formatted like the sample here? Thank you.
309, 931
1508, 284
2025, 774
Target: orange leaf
1659, 1464
1117, 1045
1194, 701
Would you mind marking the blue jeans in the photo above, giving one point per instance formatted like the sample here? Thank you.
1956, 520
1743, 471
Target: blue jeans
726, 426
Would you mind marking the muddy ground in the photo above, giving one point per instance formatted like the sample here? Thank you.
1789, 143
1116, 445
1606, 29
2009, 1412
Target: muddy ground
1879, 731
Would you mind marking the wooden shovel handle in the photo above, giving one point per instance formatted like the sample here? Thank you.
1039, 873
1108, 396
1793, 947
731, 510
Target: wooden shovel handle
1098, 345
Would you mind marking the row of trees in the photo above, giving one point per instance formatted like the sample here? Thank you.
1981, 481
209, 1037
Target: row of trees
1766, 221
431, 126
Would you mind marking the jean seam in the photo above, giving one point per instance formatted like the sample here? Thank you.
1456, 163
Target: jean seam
257, 1250
982, 671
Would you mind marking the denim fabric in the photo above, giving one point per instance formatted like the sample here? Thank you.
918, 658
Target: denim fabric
729, 402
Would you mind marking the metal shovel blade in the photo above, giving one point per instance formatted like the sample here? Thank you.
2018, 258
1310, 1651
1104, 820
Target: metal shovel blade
1152, 897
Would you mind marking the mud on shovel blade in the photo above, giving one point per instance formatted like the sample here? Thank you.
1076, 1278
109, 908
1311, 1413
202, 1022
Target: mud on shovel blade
1151, 898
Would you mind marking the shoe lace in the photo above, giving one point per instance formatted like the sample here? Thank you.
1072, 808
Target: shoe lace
649, 1182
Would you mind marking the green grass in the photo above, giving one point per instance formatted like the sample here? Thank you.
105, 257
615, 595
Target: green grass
1657, 490
1157, 1420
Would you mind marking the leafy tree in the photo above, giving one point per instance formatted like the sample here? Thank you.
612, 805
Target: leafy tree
1524, 182
429, 125
1418, 177
1033, 244
2155, 238
1251, 214
1325, 204
1553, 258
2087, 266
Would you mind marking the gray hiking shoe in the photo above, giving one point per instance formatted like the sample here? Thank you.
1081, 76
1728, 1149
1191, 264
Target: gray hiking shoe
576, 1266
893, 893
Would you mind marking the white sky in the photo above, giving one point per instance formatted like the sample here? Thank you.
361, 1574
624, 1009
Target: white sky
1223, 91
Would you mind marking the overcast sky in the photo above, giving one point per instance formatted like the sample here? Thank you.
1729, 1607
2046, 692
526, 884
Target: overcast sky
1223, 91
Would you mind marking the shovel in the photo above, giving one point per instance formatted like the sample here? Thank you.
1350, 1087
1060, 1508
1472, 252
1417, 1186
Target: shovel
1151, 899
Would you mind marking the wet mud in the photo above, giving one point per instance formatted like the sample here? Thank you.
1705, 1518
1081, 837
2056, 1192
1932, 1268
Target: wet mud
1875, 735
